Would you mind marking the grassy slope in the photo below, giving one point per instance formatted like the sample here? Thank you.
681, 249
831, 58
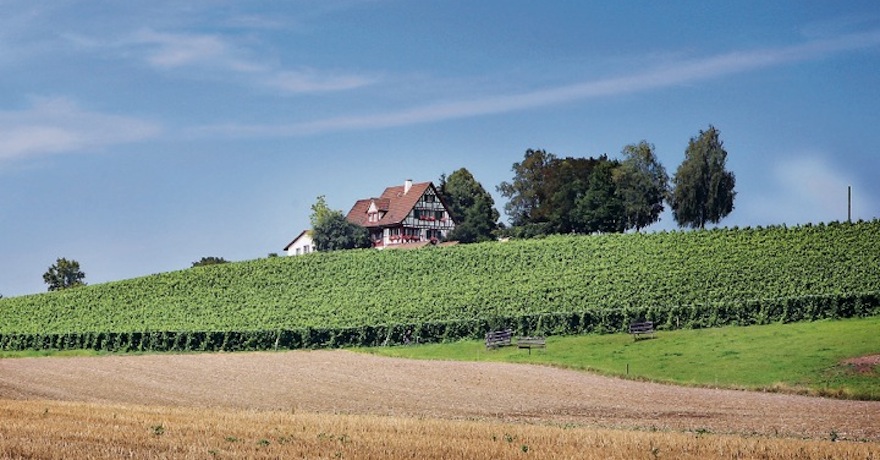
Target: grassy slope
556, 274
799, 357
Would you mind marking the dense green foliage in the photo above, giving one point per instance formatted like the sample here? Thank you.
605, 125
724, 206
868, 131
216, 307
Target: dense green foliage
331, 231
471, 206
642, 185
64, 274
548, 195
210, 260
551, 195
702, 186
560, 284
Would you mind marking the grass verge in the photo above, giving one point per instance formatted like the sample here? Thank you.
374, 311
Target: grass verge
46, 353
804, 358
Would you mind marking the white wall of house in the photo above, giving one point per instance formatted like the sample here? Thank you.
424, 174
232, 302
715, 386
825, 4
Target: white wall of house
302, 245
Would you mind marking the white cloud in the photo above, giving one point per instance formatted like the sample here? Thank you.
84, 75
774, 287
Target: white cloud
59, 126
671, 74
215, 53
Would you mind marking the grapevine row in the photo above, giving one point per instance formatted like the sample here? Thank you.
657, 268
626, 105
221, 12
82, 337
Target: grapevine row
556, 275
561, 323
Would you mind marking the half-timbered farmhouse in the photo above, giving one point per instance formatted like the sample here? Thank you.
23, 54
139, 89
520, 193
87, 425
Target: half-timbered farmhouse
407, 213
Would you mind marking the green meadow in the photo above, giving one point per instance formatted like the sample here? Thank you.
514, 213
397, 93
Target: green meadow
801, 358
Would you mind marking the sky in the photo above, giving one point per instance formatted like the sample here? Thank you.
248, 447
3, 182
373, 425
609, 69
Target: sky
139, 137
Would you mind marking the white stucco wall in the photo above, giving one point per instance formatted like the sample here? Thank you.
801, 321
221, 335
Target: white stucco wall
302, 245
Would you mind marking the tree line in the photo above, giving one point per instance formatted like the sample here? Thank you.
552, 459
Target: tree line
551, 195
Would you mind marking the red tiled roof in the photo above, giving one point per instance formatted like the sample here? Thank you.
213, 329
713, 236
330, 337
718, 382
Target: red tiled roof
383, 204
358, 213
393, 202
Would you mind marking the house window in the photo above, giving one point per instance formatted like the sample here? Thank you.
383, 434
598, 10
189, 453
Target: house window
298, 251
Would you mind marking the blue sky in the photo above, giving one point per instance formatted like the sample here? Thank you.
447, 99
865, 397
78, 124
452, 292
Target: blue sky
138, 137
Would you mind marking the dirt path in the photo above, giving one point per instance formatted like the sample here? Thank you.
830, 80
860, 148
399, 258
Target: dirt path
339, 381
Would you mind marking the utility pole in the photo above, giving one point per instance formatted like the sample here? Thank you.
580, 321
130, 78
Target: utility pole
849, 203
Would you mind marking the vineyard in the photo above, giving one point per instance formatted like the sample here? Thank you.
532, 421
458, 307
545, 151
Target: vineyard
556, 285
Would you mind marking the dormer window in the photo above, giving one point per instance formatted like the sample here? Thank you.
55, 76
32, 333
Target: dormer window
373, 217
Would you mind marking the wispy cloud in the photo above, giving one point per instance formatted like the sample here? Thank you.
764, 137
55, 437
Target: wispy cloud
166, 50
216, 53
311, 81
58, 125
668, 75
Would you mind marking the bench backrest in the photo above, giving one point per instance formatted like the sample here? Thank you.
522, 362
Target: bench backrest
499, 336
641, 326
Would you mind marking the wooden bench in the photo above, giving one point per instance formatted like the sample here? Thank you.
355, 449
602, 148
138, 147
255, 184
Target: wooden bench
495, 339
531, 342
641, 328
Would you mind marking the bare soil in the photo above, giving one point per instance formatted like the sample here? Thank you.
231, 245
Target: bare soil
352, 383
863, 364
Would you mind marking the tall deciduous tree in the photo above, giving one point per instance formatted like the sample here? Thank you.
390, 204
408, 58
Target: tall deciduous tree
702, 187
642, 185
64, 274
600, 209
331, 231
527, 192
320, 211
544, 194
567, 180
471, 206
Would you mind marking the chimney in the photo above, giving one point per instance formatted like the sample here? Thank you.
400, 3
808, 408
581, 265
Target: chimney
407, 184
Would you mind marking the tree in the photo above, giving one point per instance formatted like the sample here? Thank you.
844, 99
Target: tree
702, 187
567, 180
471, 206
320, 211
334, 232
204, 261
527, 193
600, 209
331, 231
546, 191
642, 185
64, 274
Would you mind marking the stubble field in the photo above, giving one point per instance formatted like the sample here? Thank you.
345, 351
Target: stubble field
326, 404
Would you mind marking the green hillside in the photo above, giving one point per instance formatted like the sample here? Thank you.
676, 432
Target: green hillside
704, 277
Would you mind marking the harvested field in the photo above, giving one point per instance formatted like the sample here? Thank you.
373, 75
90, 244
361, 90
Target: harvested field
350, 383
60, 430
